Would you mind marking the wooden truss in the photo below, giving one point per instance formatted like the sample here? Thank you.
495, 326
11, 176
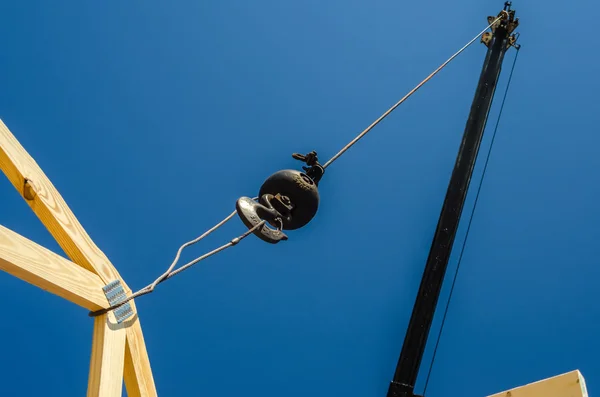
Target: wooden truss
118, 350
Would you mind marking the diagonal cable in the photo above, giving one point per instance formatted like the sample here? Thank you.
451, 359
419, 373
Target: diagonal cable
390, 110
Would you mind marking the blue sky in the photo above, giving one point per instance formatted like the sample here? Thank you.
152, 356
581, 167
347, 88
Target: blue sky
153, 117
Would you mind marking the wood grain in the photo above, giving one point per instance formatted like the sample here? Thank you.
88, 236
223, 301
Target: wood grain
51, 208
45, 201
43, 268
106, 364
570, 384
138, 374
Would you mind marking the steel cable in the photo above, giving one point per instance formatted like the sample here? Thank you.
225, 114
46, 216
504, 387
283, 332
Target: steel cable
390, 110
170, 272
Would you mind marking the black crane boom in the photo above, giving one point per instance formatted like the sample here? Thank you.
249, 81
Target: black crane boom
498, 42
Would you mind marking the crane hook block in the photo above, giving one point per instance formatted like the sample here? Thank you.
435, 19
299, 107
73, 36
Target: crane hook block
288, 200
296, 189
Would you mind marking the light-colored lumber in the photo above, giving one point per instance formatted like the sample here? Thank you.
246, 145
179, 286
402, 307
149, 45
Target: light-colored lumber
106, 364
45, 201
138, 374
570, 384
30, 181
43, 268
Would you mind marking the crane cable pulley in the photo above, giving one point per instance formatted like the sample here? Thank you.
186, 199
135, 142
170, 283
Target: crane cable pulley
287, 200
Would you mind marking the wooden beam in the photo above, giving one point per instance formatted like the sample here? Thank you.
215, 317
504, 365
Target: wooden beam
45, 201
138, 374
106, 364
43, 268
43, 198
570, 384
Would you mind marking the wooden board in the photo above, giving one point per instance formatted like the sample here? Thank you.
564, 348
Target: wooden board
50, 207
106, 364
45, 201
43, 268
138, 374
570, 384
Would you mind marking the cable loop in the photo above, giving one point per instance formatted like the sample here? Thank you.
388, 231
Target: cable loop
170, 272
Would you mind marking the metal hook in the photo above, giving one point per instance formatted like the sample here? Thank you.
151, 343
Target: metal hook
252, 213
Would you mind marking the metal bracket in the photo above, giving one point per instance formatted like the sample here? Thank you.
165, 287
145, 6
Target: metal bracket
115, 294
486, 38
507, 20
401, 390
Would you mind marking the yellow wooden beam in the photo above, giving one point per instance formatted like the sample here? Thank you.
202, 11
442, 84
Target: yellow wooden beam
138, 374
43, 198
106, 364
43, 268
570, 384
45, 201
